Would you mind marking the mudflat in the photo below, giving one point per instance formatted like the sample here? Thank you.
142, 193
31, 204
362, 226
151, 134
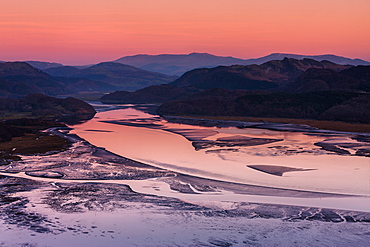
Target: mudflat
86, 194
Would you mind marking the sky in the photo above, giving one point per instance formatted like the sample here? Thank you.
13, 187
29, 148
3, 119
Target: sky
89, 31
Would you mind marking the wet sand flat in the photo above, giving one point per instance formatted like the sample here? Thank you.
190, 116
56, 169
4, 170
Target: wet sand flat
224, 153
277, 170
88, 195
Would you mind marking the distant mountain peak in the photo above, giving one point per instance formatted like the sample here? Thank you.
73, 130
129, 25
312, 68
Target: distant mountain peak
43, 65
201, 54
329, 57
19, 68
178, 64
111, 65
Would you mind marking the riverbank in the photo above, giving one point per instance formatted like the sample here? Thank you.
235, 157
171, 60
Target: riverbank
100, 192
319, 124
89, 195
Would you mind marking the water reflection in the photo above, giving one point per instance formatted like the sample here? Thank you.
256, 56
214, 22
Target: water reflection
147, 138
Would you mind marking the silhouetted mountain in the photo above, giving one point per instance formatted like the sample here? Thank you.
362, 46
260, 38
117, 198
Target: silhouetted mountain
318, 93
178, 64
152, 94
289, 75
313, 90
19, 78
43, 65
171, 64
222, 77
272, 74
70, 76
40, 105
327, 57
118, 76
331, 105
63, 71
166, 92
361, 73
75, 84
326, 79
353, 110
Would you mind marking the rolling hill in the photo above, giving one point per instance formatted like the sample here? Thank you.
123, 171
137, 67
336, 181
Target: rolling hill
328, 57
270, 75
171, 64
43, 65
288, 88
19, 78
289, 75
118, 76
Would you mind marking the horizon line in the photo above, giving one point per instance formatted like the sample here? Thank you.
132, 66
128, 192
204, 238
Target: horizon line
184, 54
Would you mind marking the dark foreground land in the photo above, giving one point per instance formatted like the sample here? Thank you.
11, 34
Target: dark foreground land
57, 190
319, 124
39, 193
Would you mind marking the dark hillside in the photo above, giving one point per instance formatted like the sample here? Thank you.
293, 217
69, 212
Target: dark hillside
63, 71
324, 80
361, 73
115, 76
152, 94
274, 75
331, 105
124, 76
38, 105
36, 112
22, 79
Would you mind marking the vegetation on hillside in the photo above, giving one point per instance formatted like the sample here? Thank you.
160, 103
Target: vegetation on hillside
38, 105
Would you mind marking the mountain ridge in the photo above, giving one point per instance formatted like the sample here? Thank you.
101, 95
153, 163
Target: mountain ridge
288, 75
303, 89
269, 75
121, 76
177, 64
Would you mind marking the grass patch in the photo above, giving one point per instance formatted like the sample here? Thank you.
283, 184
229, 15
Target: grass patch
38, 143
16, 115
325, 125
87, 96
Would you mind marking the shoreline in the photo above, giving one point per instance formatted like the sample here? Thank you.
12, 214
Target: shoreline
320, 126
106, 198
85, 153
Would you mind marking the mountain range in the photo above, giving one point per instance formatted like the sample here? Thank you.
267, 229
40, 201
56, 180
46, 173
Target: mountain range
120, 76
287, 88
43, 65
287, 75
271, 74
179, 64
19, 79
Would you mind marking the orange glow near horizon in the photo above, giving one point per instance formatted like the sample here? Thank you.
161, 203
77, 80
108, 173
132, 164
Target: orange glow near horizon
90, 31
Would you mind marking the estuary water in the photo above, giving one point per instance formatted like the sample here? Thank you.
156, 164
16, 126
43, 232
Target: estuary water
93, 206
152, 140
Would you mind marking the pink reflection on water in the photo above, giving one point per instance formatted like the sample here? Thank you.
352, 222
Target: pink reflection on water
155, 145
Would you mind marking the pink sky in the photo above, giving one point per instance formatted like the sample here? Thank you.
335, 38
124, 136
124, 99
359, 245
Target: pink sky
90, 31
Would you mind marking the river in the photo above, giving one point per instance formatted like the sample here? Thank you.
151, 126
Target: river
92, 206
135, 134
